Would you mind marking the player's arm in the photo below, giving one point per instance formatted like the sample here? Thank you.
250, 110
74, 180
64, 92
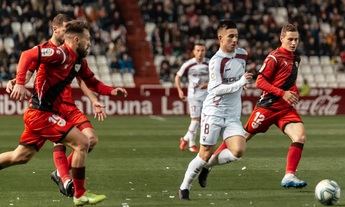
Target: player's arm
179, 88
178, 76
46, 55
216, 85
10, 84
263, 83
97, 86
235, 86
98, 107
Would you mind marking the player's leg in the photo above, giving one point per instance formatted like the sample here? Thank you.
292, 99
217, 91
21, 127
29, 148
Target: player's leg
61, 175
296, 132
188, 140
210, 131
80, 145
231, 149
21, 155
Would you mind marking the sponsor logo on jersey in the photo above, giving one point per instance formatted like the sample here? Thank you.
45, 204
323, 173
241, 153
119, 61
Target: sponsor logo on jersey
47, 52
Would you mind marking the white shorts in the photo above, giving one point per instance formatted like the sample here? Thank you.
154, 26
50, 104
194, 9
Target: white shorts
213, 127
195, 106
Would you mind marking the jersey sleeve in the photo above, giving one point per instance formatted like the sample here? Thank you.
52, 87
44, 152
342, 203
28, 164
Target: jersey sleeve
215, 75
265, 73
268, 67
35, 55
264, 85
91, 81
182, 69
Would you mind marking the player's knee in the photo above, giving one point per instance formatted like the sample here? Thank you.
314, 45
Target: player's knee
93, 141
238, 152
205, 152
301, 139
83, 145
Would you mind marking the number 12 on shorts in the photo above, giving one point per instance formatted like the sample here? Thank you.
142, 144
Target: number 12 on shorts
258, 120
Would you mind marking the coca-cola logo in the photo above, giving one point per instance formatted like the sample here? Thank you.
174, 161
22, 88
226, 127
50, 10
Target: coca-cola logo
322, 105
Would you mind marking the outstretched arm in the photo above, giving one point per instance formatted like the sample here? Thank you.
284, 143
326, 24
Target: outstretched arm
98, 107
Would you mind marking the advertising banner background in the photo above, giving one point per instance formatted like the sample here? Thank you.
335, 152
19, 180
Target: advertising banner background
155, 100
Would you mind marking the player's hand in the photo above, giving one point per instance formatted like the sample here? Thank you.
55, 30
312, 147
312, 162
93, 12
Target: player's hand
291, 97
98, 110
202, 85
119, 92
248, 76
10, 85
181, 95
19, 92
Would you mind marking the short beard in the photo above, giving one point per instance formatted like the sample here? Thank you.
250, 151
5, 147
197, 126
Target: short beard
81, 52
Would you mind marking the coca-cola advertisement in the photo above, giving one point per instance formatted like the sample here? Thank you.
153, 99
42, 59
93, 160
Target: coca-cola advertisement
155, 100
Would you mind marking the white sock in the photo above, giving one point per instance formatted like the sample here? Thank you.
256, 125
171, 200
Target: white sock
192, 171
225, 156
191, 133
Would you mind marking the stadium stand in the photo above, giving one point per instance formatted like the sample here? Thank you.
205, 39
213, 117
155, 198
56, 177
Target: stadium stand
173, 25
158, 35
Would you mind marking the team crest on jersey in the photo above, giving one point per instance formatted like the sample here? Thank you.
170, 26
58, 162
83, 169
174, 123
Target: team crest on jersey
47, 52
77, 67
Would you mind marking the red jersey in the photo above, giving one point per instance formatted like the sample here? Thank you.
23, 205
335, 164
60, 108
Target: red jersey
58, 66
277, 74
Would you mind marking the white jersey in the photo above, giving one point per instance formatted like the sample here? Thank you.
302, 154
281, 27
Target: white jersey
225, 85
197, 74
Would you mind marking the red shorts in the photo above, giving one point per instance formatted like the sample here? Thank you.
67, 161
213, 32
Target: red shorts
72, 114
41, 126
262, 118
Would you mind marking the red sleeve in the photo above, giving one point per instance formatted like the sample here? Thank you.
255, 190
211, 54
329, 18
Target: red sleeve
31, 56
25, 60
92, 82
268, 67
264, 85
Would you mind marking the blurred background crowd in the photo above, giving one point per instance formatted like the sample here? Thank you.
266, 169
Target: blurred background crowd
173, 25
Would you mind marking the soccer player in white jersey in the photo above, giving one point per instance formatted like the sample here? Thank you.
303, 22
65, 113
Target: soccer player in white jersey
221, 110
197, 69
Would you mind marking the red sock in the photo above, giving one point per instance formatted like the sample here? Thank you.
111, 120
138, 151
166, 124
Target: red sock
69, 160
293, 157
60, 162
78, 174
220, 148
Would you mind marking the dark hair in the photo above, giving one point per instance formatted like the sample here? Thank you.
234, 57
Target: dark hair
60, 19
288, 28
76, 26
226, 24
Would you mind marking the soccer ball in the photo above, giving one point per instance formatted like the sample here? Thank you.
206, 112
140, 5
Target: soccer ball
327, 192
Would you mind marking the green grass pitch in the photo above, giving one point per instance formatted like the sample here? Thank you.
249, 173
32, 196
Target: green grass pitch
137, 163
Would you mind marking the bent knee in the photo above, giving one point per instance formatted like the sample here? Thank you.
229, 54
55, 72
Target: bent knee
301, 139
93, 141
238, 152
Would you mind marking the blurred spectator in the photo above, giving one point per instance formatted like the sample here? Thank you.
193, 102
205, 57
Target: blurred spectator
126, 64
5, 74
305, 88
342, 58
165, 74
321, 25
26, 23
114, 65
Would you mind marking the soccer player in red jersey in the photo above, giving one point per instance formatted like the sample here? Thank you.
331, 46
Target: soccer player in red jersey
277, 79
68, 111
59, 66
